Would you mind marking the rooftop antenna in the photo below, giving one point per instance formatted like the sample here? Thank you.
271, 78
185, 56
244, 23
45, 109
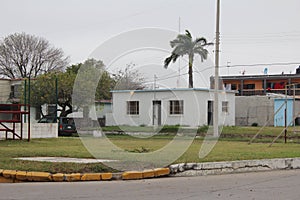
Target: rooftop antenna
228, 65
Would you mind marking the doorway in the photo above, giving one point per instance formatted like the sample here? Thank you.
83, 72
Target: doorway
210, 113
156, 113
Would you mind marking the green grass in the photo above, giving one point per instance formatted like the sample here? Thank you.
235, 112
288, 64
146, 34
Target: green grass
266, 134
230, 148
60, 147
225, 150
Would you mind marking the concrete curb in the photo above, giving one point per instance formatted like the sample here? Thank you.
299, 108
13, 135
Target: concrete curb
183, 169
14, 176
214, 168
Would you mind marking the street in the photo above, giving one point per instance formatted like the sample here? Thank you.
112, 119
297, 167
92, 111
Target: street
259, 185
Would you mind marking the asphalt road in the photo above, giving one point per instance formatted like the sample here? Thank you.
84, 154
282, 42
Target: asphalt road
262, 185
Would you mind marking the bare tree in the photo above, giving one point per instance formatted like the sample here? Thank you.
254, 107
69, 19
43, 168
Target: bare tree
23, 55
129, 79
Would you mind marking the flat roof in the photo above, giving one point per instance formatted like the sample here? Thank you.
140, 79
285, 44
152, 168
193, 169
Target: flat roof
171, 89
258, 77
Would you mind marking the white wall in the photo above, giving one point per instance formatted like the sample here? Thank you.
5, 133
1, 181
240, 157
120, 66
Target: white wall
4, 90
37, 130
195, 107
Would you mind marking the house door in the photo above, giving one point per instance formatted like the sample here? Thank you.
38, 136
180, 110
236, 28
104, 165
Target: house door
156, 113
210, 113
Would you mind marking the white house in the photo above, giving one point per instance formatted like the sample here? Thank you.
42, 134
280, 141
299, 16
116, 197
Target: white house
184, 106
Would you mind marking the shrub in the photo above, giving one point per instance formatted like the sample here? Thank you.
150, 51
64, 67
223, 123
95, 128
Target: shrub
202, 129
254, 124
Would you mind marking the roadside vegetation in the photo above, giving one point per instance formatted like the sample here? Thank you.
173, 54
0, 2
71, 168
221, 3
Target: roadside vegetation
233, 145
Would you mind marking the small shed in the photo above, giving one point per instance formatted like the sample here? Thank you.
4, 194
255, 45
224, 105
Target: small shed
182, 106
282, 106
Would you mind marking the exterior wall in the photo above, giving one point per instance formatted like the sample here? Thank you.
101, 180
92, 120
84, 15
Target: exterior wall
4, 90
254, 109
279, 109
107, 108
32, 115
37, 130
194, 114
99, 110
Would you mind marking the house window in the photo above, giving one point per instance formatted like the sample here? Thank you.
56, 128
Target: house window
15, 91
249, 86
132, 107
225, 106
233, 87
176, 107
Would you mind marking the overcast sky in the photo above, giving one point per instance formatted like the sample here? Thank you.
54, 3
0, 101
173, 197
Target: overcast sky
252, 31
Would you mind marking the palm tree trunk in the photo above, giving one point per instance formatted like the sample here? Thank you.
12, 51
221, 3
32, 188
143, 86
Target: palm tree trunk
191, 84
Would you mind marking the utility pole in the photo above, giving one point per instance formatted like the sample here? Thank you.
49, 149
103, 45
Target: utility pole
25, 98
216, 91
56, 98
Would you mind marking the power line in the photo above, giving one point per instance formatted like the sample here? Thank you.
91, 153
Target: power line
292, 33
166, 77
264, 64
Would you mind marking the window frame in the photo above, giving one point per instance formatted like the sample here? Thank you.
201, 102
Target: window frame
176, 109
225, 107
132, 107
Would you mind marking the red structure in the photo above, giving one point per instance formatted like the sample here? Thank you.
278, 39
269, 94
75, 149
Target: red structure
13, 114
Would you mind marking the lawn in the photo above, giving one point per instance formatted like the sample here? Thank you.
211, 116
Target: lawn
59, 147
225, 150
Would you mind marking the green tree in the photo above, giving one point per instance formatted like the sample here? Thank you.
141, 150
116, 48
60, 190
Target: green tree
43, 90
87, 78
86, 75
183, 45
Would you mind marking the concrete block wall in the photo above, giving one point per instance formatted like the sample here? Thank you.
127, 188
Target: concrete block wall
254, 109
37, 130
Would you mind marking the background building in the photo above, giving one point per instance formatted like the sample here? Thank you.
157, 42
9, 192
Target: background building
260, 84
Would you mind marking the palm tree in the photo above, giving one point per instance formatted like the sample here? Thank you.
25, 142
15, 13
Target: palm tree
184, 44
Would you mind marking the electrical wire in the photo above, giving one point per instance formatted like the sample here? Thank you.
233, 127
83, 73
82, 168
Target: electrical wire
225, 66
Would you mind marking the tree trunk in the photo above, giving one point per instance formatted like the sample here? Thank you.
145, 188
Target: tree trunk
191, 83
65, 113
